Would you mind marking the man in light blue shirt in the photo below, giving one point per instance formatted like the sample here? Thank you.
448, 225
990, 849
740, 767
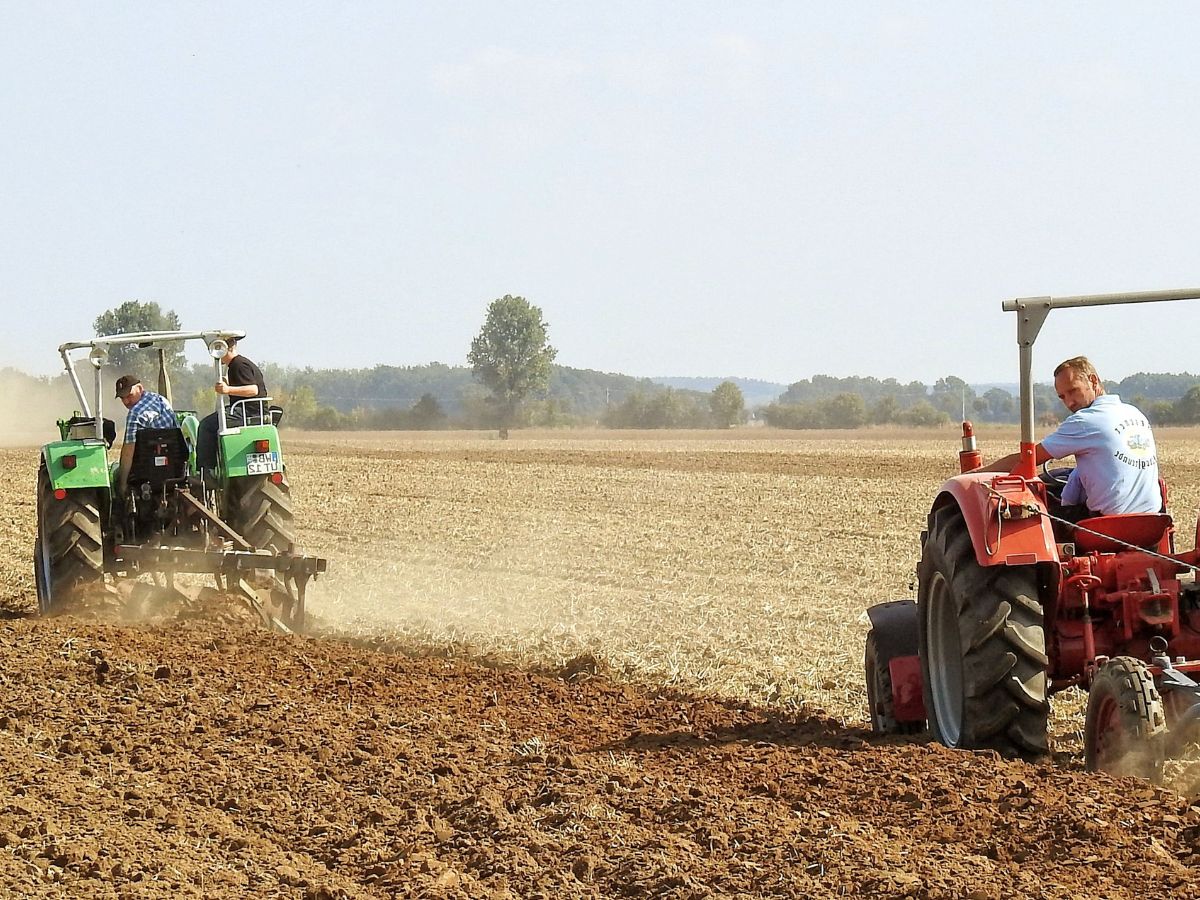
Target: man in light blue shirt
1116, 464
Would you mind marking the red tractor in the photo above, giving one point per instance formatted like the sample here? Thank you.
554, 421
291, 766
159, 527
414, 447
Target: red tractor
1015, 604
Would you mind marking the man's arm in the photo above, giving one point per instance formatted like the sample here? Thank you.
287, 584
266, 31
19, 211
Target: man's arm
1009, 463
241, 390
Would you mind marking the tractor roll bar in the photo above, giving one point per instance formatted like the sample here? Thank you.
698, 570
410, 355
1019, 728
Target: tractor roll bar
1031, 315
146, 339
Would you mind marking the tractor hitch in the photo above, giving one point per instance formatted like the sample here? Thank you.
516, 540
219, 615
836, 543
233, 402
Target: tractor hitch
1182, 693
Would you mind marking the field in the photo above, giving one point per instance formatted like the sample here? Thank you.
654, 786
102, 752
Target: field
561, 665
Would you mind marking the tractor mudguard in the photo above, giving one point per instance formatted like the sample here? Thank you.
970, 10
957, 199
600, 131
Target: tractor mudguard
1018, 540
190, 426
895, 625
76, 464
251, 450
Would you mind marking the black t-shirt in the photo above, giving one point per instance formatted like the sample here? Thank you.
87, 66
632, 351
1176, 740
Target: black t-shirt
243, 372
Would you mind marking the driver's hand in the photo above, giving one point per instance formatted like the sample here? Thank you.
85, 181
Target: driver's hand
221, 387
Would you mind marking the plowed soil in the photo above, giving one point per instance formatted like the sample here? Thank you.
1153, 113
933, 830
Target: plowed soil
207, 757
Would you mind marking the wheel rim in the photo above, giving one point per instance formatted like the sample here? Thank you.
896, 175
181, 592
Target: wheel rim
1107, 733
945, 662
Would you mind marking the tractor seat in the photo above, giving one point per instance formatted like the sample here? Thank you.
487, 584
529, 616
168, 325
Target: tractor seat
84, 427
159, 455
257, 411
1145, 530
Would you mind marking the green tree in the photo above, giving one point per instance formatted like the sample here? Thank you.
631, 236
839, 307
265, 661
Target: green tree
795, 415
1164, 412
923, 415
885, 411
134, 316
301, 408
727, 404
845, 411
1187, 408
511, 355
950, 394
997, 405
427, 413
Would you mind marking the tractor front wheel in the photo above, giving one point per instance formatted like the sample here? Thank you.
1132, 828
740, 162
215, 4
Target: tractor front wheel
880, 699
69, 550
983, 647
879, 690
1126, 721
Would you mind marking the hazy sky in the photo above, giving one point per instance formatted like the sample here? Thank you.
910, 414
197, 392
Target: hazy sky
769, 190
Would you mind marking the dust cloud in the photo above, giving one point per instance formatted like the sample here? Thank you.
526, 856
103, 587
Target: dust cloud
478, 609
30, 406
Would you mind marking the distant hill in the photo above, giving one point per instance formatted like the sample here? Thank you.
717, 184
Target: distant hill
756, 392
1011, 387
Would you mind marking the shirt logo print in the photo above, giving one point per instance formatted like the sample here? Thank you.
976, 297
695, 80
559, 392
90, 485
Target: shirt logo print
1138, 443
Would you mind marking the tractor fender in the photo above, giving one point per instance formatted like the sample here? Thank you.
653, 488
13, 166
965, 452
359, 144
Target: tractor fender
238, 445
76, 464
190, 426
1020, 540
895, 627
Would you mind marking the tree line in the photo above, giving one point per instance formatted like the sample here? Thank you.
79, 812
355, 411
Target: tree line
513, 381
854, 402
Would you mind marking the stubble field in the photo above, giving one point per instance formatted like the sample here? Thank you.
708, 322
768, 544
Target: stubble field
685, 717
729, 565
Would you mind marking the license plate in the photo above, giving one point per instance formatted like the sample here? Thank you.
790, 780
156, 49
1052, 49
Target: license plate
262, 463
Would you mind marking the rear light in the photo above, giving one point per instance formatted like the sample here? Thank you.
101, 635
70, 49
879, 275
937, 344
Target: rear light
60, 493
262, 446
277, 477
68, 462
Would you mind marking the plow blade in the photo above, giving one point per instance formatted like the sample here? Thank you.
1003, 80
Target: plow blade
286, 588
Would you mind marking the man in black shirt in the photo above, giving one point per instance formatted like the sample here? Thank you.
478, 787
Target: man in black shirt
244, 381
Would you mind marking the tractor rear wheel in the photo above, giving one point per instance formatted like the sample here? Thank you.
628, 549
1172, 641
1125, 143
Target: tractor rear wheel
261, 511
880, 700
983, 646
1126, 721
69, 550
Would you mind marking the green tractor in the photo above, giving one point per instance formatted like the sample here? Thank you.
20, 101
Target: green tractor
234, 522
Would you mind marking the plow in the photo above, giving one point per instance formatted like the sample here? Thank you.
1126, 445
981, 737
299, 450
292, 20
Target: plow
233, 522
1016, 602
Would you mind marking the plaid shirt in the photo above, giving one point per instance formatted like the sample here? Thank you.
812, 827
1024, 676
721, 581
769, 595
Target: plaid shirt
151, 411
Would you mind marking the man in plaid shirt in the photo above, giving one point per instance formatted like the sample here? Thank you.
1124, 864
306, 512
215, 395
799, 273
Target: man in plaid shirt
146, 410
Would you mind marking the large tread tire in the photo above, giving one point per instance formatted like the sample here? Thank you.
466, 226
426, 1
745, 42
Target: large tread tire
879, 693
261, 511
983, 647
69, 551
1126, 721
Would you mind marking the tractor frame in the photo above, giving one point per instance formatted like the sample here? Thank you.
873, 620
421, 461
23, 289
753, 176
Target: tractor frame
1010, 611
234, 523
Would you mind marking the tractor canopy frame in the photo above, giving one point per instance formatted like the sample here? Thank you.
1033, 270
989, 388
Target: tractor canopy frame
214, 340
1031, 315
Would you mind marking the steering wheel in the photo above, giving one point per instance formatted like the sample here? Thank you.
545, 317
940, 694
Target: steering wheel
1057, 476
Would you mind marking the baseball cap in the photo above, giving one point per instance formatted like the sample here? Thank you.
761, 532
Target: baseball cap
125, 384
